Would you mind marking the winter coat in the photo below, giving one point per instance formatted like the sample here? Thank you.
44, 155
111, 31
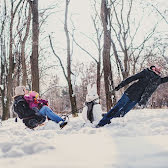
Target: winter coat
33, 100
141, 90
30, 119
90, 110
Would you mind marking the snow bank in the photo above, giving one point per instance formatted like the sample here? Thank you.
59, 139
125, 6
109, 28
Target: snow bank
140, 139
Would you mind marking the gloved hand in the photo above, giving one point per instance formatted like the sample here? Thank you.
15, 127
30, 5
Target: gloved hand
36, 110
142, 103
35, 100
117, 88
38, 114
40, 105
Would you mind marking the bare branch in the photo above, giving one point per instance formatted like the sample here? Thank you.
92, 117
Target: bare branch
17, 7
83, 49
28, 25
3, 22
160, 13
128, 16
121, 12
57, 57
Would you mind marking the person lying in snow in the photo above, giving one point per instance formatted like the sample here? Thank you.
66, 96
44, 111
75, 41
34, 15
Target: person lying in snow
139, 92
32, 118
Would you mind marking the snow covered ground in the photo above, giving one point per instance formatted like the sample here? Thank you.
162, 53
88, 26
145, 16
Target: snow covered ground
139, 140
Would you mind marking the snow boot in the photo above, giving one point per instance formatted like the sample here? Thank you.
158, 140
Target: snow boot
63, 124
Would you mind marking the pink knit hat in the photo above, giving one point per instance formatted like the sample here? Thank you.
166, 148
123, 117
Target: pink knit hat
33, 94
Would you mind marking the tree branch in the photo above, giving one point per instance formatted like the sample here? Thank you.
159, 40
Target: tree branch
57, 57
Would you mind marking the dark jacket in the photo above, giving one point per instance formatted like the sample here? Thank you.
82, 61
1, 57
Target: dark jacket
141, 90
30, 118
90, 110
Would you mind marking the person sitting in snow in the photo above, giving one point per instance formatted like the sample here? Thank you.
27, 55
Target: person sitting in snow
92, 112
139, 92
32, 118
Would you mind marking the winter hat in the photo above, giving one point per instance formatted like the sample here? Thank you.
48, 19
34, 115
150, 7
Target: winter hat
19, 90
34, 94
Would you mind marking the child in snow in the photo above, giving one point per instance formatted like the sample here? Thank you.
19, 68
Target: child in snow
40, 106
34, 101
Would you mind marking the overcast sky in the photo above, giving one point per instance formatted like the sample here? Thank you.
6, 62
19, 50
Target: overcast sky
80, 12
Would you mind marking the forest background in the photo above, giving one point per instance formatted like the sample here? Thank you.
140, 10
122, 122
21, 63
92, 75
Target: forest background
59, 47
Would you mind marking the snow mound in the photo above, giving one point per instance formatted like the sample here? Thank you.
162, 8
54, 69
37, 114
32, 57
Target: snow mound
140, 139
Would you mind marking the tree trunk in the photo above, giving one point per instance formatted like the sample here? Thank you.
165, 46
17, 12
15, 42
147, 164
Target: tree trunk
3, 62
71, 93
24, 68
10, 70
6, 113
35, 45
108, 80
3, 79
98, 78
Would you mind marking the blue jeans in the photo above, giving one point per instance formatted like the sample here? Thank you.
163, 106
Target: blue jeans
46, 111
123, 106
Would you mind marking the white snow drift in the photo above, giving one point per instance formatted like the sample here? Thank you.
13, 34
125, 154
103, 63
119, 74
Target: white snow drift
139, 140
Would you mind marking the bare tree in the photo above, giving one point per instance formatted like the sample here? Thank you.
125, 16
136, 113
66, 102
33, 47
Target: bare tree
99, 32
161, 42
126, 52
35, 45
67, 73
11, 60
121, 34
108, 79
97, 61
22, 40
3, 61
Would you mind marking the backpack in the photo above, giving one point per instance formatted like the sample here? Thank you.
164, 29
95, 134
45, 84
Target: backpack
30, 118
21, 108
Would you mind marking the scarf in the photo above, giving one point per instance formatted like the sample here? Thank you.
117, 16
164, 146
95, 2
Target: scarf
90, 110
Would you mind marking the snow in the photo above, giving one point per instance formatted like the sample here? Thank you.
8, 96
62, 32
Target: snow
139, 140
2, 87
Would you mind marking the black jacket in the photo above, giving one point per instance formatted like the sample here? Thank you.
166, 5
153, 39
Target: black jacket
21, 107
30, 118
141, 90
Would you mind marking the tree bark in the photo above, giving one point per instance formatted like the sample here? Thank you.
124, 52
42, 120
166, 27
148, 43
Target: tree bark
71, 92
23, 42
35, 45
98, 78
3, 61
108, 80
11, 63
